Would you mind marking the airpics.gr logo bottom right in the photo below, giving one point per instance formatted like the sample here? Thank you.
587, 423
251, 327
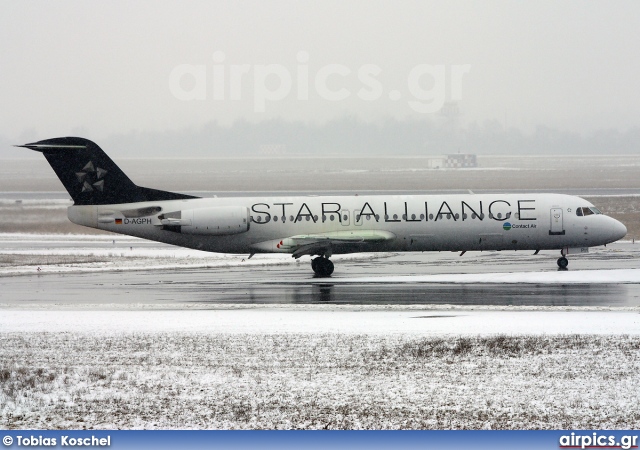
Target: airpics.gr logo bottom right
594, 440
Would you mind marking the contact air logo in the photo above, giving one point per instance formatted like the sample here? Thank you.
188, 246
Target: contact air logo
506, 226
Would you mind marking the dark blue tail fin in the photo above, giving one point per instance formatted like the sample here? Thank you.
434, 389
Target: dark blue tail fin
91, 177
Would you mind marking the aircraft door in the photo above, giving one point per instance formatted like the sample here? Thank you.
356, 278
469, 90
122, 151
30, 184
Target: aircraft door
557, 224
345, 217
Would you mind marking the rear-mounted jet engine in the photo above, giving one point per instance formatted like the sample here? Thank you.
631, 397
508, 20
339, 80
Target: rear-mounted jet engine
215, 221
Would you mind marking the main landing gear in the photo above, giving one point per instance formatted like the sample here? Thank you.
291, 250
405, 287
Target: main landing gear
563, 263
323, 267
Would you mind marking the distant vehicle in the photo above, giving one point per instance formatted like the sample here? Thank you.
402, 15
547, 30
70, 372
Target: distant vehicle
321, 226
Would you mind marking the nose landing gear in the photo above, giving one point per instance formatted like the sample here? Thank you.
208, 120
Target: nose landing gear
563, 263
323, 267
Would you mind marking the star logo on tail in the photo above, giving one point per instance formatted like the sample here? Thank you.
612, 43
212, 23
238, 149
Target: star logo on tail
91, 178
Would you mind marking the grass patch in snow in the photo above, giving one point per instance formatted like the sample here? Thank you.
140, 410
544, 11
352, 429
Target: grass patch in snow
303, 381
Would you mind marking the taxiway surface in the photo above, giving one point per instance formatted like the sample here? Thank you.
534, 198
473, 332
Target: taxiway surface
289, 282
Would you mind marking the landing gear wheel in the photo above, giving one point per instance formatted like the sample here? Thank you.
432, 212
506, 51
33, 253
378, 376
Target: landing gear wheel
323, 267
327, 267
563, 262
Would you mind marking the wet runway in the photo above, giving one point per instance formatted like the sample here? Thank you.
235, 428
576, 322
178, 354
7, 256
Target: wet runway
295, 284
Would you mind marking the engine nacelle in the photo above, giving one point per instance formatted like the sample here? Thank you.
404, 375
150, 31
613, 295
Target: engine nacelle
214, 221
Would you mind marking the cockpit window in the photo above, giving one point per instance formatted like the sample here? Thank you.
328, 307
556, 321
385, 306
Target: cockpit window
587, 211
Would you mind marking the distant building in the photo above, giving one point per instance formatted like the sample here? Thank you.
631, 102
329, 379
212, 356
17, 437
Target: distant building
453, 161
461, 161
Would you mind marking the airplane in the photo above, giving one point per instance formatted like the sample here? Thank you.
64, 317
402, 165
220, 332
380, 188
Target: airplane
322, 226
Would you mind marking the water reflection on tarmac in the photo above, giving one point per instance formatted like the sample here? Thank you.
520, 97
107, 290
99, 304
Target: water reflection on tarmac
290, 285
446, 294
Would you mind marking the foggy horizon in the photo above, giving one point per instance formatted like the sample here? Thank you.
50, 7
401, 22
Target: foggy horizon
348, 138
384, 78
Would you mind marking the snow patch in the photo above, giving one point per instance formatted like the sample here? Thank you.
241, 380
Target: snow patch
559, 277
260, 321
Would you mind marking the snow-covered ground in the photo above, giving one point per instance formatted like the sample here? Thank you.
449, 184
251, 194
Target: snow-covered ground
208, 365
99, 253
26, 253
260, 320
317, 381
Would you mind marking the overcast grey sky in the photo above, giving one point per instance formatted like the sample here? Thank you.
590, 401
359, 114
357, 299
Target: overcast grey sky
103, 68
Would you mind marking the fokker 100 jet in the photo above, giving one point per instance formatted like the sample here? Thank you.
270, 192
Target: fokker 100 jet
321, 226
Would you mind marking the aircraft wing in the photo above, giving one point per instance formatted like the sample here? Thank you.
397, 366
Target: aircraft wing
321, 243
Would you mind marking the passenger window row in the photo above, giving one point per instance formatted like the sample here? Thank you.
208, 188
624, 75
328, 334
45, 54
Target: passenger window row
441, 216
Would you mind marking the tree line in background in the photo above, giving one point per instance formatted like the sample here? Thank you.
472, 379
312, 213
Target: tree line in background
351, 137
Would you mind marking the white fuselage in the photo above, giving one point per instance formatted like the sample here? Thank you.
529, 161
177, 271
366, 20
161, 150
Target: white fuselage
408, 222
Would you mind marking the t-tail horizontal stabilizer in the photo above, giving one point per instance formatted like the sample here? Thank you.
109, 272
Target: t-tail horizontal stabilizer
91, 177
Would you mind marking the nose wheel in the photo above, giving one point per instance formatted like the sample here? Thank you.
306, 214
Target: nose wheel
563, 262
323, 267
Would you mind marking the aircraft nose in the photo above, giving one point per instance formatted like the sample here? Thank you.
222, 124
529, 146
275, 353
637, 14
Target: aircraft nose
619, 230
